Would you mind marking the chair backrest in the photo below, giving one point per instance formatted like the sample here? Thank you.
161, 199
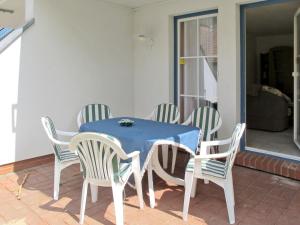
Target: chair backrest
99, 156
166, 113
93, 112
52, 135
207, 119
234, 145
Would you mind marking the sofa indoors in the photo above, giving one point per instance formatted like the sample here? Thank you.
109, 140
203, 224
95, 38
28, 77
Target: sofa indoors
267, 109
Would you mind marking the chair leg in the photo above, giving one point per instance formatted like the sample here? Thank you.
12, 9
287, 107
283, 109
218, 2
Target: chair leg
138, 185
188, 179
165, 155
118, 202
150, 185
57, 171
229, 201
94, 192
194, 188
230, 182
83, 200
174, 156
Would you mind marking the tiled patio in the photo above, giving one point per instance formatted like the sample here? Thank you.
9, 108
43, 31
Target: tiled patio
261, 199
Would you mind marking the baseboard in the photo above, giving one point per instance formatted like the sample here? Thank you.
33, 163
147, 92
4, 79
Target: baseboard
25, 164
277, 166
247, 159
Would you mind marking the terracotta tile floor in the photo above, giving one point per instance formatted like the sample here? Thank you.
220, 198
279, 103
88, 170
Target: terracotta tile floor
261, 199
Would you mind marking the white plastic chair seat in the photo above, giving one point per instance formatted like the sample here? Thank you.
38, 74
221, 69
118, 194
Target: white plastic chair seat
209, 167
67, 155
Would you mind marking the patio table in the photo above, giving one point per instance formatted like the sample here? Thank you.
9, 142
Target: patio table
145, 136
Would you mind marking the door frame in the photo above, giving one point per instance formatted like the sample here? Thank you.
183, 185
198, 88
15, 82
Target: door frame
243, 147
296, 79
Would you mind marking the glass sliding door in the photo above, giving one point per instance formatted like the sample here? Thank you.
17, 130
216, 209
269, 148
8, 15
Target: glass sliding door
197, 63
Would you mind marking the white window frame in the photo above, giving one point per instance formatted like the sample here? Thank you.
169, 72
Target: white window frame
12, 36
179, 95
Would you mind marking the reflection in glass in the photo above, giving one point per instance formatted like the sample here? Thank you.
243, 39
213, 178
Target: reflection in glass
208, 36
188, 104
189, 77
208, 79
188, 37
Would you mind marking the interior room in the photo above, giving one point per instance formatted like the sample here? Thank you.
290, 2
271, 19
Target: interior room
269, 78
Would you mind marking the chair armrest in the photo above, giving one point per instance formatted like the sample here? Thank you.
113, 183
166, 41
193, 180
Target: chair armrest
206, 144
135, 160
79, 119
150, 116
65, 143
216, 128
66, 133
133, 154
188, 121
176, 119
212, 156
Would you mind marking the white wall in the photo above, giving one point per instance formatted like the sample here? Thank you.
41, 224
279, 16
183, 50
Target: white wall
15, 19
77, 52
153, 68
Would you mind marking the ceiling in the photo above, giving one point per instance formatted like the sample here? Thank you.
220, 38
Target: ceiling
272, 19
134, 3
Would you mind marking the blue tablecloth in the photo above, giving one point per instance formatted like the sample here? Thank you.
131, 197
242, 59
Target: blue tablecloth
142, 135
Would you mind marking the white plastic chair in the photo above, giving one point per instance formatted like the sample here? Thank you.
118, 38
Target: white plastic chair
100, 157
165, 113
63, 157
93, 112
205, 166
208, 120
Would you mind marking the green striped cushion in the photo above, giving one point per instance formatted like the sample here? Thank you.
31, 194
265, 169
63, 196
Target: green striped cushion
94, 112
209, 167
206, 118
166, 113
67, 155
62, 155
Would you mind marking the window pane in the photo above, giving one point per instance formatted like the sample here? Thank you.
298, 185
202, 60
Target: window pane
202, 83
208, 36
198, 76
208, 79
188, 104
4, 32
189, 77
188, 38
